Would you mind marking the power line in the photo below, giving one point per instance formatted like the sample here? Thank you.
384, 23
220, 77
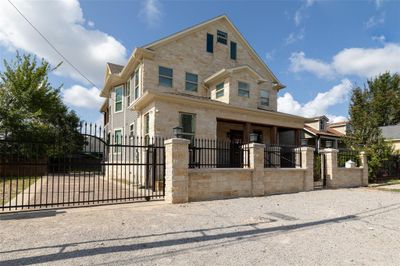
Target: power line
52, 46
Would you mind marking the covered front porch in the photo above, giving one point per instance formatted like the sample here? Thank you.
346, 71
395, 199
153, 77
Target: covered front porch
240, 131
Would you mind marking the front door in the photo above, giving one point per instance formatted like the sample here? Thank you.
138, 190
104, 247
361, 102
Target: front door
236, 138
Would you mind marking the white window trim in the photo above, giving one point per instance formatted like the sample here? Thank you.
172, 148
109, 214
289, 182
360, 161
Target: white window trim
115, 99
132, 124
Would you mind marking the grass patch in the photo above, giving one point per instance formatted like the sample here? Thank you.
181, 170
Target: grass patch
386, 182
390, 189
12, 186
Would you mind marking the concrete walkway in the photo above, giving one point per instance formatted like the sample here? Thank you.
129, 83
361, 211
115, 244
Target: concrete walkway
325, 227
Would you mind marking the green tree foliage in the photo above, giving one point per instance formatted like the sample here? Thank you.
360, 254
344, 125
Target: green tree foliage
378, 104
31, 110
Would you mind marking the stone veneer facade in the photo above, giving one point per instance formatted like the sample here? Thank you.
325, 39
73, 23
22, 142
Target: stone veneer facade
185, 52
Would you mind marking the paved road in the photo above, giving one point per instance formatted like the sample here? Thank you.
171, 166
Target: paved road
328, 227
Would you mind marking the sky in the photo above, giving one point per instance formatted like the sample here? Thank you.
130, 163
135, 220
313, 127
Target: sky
318, 49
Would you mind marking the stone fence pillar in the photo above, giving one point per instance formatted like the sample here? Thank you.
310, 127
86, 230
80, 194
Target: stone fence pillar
307, 162
176, 170
331, 165
364, 165
256, 162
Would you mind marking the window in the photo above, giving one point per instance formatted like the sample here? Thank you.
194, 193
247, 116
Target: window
233, 50
322, 125
243, 89
146, 126
264, 98
210, 43
128, 92
187, 122
118, 140
191, 82
118, 98
222, 37
220, 90
165, 76
132, 130
136, 89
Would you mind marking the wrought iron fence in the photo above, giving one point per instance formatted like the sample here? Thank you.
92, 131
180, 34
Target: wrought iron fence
206, 153
282, 156
390, 168
345, 155
103, 169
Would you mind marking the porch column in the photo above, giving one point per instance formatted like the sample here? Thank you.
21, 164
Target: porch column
274, 135
176, 170
297, 135
247, 131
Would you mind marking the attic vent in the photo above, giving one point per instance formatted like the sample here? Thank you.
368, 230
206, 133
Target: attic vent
222, 37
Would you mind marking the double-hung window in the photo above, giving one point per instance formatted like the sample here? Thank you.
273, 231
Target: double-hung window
243, 89
191, 82
219, 90
222, 37
118, 140
264, 98
136, 89
165, 76
146, 126
188, 124
118, 98
128, 92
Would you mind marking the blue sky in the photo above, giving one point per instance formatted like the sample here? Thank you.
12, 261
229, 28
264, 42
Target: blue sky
319, 49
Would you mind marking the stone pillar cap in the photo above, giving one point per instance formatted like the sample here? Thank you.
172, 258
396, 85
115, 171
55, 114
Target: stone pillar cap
176, 141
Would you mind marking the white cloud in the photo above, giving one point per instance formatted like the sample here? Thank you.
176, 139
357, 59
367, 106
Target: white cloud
79, 96
319, 105
91, 24
336, 118
63, 23
375, 20
380, 38
151, 12
294, 37
300, 13
300, 63
270, 55
362, 62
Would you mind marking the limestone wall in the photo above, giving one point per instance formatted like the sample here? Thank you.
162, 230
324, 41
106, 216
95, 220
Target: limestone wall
214, 183
281, 180
346, 177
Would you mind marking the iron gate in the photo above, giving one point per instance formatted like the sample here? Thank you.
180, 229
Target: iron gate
102, 170
319, 170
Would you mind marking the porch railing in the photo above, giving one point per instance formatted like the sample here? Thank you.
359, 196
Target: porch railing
206, 153
282, 156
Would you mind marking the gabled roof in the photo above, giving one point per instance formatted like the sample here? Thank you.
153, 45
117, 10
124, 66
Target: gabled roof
391, 132
329, 132
227, 72
199, 26
114, 68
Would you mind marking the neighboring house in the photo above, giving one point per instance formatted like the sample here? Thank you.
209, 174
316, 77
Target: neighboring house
206, 79
319, 133
392, 135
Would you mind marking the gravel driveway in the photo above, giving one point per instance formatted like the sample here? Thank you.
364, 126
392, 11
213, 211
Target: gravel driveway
326, 227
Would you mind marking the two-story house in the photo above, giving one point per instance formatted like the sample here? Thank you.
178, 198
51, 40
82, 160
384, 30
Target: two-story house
206, 79
320, 134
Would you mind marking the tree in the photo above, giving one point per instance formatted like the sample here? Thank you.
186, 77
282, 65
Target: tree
31, 109
378, 104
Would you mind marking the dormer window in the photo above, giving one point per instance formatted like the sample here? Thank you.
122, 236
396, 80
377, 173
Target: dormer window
222, 37
322, 125
219, 90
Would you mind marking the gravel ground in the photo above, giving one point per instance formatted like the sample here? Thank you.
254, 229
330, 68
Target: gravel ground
325, 227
